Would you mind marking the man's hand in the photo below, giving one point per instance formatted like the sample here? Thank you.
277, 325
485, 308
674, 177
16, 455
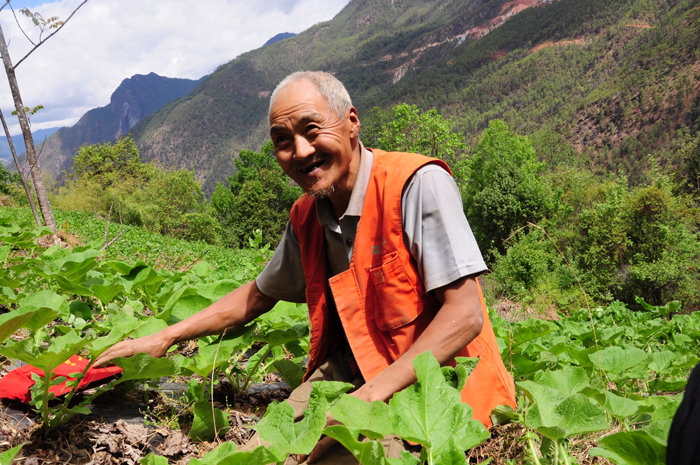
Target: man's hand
154, 345
235, 309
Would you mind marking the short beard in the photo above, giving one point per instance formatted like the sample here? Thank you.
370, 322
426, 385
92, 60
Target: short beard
322, 193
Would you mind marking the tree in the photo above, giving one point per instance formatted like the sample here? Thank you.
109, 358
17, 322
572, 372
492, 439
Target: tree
259, 196
504, 190
20, 172
51, 23
406, 129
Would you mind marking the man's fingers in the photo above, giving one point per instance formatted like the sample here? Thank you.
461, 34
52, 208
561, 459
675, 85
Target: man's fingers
322, 446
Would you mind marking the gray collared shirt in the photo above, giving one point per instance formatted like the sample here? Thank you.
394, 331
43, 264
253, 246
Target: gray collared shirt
436, 233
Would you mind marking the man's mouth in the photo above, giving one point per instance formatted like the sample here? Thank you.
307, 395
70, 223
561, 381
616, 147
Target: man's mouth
310, 168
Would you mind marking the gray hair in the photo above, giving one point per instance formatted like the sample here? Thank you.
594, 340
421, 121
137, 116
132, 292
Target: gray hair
332, 90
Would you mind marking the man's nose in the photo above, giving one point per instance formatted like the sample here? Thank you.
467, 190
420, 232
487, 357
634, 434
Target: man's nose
302, 147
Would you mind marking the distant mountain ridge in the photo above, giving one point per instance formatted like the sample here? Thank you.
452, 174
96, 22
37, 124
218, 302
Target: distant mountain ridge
134, 99
578, 70
18, 142
278, 37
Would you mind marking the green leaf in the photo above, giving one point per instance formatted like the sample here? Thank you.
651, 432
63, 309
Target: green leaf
431, 412
621, 407
636, 447
8, 457
209, 422
277, 337
557, 417
371, 419
215, 456
617, 362
568, 380
106, 292
292, 373
14, 320
153, 459
123, 326
530, 329
183, 304
464, 367
662, 361
664, 407
61, 349
220, 351
151, 326
504, 414
143, 366
367, 452
226, 455
278, 427
333, 390
48, 305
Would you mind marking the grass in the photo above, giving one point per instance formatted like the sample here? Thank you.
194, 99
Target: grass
137, 244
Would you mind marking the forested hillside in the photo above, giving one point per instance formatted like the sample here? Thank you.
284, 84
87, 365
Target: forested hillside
597, 73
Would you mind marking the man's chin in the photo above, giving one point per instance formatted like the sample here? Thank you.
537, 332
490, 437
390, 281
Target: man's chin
321, 193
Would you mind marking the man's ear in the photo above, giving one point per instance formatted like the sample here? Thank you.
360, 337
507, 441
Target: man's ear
354, 123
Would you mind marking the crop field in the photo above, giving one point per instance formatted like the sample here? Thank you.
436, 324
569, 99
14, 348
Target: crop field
595, 386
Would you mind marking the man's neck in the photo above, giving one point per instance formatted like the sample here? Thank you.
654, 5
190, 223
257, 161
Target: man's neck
340, 198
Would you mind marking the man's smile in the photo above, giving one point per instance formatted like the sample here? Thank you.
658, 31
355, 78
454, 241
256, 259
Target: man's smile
310, 168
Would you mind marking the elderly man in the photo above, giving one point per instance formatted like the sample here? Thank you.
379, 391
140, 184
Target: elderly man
380, 251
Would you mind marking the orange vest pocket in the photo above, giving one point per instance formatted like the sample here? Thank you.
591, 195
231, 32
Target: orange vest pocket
398, 303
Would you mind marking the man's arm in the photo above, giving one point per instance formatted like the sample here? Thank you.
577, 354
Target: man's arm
456, 324
234, 310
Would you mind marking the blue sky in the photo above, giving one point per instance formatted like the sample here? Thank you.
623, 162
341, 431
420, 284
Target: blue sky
108, 41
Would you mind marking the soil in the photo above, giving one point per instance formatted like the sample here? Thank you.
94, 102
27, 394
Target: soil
125, 427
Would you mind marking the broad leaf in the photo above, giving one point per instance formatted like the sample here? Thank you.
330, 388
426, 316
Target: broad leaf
557, 417
568, 380
259, 456
371, 419
431, 412
14, 320
636, 447
209, 422
61, 349
278, 426
367, 452
143, 366
8, 457
48, 305
621, 407
290, 372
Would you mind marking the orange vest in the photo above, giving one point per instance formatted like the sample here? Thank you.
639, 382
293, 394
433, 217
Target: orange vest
382, 304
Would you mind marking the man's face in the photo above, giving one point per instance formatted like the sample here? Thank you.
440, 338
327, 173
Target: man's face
313, 145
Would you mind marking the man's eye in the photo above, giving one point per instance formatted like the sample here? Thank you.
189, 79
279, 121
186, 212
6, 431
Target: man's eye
311, 129
280, 139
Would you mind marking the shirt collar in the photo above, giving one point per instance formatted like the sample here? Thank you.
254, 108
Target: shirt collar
324, 208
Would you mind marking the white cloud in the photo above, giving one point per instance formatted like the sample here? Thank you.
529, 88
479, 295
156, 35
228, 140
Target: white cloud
110, 40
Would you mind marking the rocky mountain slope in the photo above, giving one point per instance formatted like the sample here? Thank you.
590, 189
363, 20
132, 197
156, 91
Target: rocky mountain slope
134, 99
572, 69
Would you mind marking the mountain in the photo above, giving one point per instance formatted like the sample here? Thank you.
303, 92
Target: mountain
134, 99
614, 79
278, 37
18, 142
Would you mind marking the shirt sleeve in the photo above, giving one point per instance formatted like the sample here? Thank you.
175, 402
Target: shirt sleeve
283, 277
436, 232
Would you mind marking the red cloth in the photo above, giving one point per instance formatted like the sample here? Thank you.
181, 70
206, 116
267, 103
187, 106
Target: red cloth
15, 385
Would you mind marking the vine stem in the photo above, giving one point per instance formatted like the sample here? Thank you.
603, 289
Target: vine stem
211, 389
533, 452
